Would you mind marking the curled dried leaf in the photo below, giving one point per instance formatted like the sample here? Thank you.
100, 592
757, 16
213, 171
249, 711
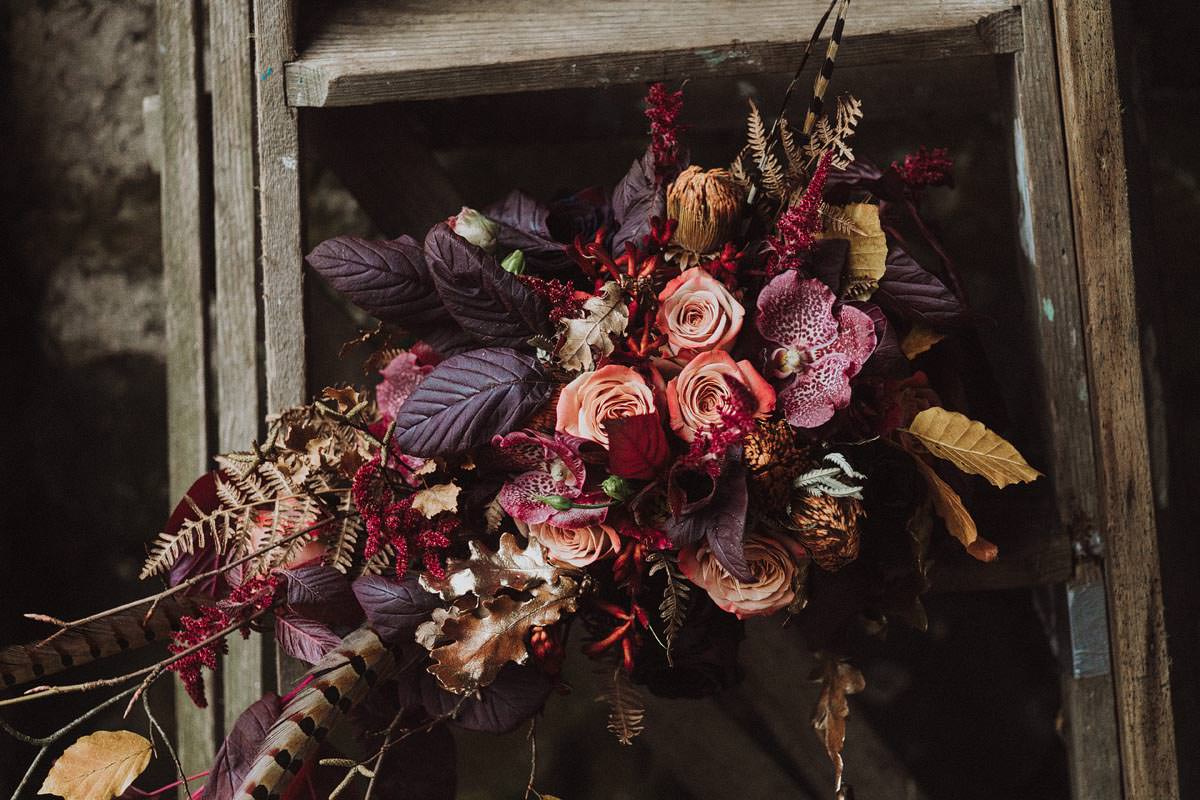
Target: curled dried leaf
436, 499
583, 340
949, 506
484, 572
838, 680
866, 263
99, 766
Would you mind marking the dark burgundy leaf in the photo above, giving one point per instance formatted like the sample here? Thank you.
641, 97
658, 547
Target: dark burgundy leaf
320, 592
703, 656
446, 338
237, 753
518, 693
580, 214
907, 290
521, 212
636, 200
637, 446
388, 279
394, 608
722, 520
887, 360
304, 638
468, 399
828, 262
726, 528
486, 301
524, 225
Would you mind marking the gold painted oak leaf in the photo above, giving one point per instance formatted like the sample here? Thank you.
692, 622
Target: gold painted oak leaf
949, 506
483, 644
838, 679
436, 499
971, 447
485, 572
99, 766
605, 315
858, 223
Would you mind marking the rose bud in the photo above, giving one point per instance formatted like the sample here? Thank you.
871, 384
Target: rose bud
475, 228
708, 207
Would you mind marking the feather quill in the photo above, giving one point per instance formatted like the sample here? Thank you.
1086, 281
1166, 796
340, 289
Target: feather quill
115, 633
817, 104
335, 685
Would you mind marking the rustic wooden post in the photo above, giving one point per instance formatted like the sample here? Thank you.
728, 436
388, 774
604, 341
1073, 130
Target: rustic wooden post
1096, 164
184, 211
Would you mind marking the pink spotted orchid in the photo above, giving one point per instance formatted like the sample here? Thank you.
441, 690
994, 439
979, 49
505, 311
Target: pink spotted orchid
554, 469
818, 350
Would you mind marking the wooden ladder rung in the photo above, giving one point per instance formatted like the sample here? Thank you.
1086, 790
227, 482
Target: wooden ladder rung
373, 51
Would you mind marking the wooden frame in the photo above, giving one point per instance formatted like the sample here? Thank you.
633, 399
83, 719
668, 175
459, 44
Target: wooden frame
1076, 263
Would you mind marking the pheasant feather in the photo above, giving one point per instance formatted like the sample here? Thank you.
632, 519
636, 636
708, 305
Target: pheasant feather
334, 686
817, 104
115, 633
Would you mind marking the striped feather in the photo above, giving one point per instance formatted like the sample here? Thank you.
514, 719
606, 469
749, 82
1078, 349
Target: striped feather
116, 633
339, 682
817, 104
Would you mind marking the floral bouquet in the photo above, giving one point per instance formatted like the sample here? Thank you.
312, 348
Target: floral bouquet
633, 417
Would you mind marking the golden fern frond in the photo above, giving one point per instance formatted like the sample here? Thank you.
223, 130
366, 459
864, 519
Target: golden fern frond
764, 159
793, 152
626, 707
833, 137
167, 548
344, 539
384, 557
673, 608
838, 221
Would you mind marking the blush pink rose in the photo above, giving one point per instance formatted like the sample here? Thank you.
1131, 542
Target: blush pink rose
697, 313
777, 566
576, 546
696, 397
594, 397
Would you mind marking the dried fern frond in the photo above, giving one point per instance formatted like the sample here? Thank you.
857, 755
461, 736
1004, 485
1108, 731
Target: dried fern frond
676, 594
793, 151
833, 137
838, 221
764, 159
343, 537
384, 558
627, 708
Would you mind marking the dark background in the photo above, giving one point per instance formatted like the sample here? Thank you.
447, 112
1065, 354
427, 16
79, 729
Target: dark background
967, 710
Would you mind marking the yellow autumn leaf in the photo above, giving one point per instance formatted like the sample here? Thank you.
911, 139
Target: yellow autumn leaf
971, 447
436, 499
918, 340
99, 766
858, 223
949, 506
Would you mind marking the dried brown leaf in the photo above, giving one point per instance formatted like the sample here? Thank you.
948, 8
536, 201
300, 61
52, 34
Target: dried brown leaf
484, 572
971, 447
99, 766
583, 340
838, 679
858, 223
481, 645
918, 340
949, 506
436, 499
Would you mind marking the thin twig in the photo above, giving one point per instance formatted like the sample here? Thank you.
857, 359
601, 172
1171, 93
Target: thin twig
179, 587
44, 744
532, 758
166, 741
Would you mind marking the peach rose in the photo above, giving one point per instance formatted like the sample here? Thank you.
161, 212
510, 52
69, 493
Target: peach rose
608, 393
697, 313
576, 546
777, 567
696, 396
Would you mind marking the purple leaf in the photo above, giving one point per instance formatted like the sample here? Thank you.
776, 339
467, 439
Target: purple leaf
722, 521
636, 200
907, 290
828, 261
468, 399
485, 300
637, 446
519, 692
887, 360
520, 212
394, 608
320, 592
237, 753
304, 638
388, 279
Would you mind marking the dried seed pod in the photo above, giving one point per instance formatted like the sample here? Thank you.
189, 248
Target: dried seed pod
827, 527
708, 206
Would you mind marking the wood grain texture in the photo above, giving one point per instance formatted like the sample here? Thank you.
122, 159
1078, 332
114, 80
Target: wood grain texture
1048, 273
236, 369
280, 226
279, 208
1095, 157
183, 212
370, 51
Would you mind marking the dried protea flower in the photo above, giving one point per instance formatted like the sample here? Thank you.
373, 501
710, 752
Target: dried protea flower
827, 526
708, 205
774, 461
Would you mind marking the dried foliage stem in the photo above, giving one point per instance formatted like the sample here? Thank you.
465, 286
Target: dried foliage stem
45, 743
155, 727
154, 599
